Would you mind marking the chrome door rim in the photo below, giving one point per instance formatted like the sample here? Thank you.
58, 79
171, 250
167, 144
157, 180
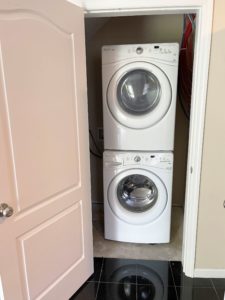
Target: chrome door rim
131, 100
129, 217
137, 195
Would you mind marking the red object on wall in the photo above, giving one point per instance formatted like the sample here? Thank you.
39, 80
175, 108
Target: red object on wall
186, 64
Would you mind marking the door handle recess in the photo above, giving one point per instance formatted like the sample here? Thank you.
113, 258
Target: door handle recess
5, 210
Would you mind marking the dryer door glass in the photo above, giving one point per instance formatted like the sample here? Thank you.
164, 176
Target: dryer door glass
137, 193
138, 92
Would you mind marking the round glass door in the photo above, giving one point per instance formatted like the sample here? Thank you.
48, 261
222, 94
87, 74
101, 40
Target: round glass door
137, 193
139, 95
138, 92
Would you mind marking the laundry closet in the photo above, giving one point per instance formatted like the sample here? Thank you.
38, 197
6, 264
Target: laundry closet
147, 29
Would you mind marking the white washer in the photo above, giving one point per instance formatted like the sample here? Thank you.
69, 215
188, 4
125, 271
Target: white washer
137, 196
139, 96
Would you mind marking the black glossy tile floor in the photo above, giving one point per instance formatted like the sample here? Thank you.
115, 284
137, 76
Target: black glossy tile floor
128, 279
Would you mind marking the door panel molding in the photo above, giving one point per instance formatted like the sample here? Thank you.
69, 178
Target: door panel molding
18, 119
36, 267
22, 14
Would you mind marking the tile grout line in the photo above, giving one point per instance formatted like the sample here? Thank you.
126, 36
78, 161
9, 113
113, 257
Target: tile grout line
173, 280
103, 259
214, 289
136, 282
121, 283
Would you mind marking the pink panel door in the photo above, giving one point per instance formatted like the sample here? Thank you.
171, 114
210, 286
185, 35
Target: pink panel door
46, 245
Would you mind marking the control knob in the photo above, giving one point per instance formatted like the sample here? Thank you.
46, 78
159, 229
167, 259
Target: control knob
137, 158
139, 50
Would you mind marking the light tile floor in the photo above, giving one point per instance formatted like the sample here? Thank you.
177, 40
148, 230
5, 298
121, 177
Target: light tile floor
171, 251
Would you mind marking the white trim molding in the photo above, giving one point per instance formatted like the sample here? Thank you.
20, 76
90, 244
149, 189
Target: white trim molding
209, 273
101, 8
76, 2
204, 13
1, 290
196, 133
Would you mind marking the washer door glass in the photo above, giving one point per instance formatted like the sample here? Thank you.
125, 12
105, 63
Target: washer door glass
137, 193
138, 92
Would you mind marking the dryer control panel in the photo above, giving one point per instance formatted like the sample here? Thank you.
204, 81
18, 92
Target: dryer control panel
164, 52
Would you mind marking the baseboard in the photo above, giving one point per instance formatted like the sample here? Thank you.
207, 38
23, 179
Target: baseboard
209, 273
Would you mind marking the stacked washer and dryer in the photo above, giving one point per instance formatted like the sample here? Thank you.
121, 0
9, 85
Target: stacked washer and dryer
139, 103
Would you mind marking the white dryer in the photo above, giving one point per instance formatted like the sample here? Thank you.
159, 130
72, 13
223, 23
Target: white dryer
137, 196
139, 96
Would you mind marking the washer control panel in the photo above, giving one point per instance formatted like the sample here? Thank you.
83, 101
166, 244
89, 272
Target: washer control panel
155, 159
137, 158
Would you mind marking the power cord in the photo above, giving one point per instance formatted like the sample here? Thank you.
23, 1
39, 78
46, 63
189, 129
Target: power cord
99, 154
95, 154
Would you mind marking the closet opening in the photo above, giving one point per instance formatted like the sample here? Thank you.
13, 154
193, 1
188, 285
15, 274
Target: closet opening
140, 30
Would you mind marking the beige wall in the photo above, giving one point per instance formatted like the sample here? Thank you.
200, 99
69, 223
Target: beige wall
211, 222
125, 30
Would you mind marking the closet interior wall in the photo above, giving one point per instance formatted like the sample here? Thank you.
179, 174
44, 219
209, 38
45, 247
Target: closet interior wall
130, 30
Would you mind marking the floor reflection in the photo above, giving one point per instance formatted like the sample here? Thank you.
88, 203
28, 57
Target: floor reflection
127, 279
